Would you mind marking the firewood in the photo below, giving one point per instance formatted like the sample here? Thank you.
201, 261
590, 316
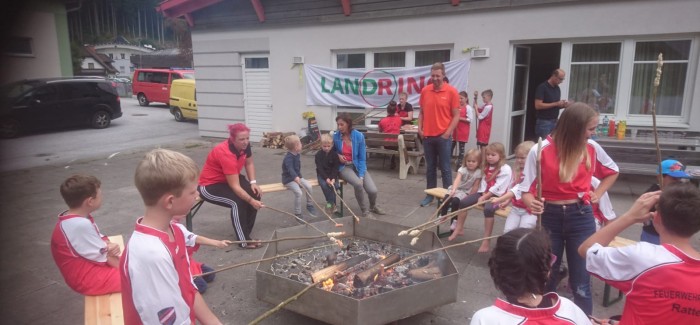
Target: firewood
328, 272
366, 277
425, 273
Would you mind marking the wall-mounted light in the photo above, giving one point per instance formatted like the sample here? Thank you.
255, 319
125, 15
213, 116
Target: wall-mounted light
480, 53
298, 60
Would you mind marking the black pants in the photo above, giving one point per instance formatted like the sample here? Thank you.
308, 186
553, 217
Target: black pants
452, 206
242, 213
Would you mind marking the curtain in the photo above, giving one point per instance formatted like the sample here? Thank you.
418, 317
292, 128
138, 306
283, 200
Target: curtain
594, 75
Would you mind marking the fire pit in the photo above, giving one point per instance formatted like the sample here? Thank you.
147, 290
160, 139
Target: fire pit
362, 294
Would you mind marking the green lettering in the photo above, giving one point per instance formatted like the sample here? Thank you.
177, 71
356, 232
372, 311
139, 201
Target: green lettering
367, 90
323, 85
337, 86
352, 85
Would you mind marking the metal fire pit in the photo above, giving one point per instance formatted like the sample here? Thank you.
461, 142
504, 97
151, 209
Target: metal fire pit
336, 308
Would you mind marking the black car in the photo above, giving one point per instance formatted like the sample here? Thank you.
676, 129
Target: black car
53, 103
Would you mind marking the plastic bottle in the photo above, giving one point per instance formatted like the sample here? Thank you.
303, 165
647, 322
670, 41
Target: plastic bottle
621, 129
611, 128
604, 127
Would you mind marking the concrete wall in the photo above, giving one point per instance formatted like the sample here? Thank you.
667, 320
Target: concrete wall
217, 51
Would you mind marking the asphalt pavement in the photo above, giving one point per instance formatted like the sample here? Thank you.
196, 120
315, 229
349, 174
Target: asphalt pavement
34, 291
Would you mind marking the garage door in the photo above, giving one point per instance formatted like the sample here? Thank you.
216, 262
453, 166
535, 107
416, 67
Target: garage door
256, 95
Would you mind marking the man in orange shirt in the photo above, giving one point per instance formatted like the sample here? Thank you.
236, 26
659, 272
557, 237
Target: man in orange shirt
439, 115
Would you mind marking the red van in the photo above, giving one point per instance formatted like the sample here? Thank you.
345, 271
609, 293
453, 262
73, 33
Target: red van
153, 85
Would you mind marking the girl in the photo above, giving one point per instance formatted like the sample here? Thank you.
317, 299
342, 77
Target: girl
569, 160
519, 216
494, 183
466, 183
520, 265
461, 133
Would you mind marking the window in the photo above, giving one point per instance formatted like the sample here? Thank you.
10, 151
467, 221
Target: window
111, 56
122, 55
424, 58
594, 74
21, 46
669, 97
256, 63
390, 60
91, 65
350, 61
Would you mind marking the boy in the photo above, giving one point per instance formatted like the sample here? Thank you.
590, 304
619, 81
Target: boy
485, 115
672, 172
86, 258
327, 163
193, 241
391, 124
660, 281
292, 179
157, 285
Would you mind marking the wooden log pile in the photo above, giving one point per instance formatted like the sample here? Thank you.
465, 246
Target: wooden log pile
274, 140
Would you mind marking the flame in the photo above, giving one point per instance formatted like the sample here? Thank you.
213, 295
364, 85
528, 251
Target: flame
375, 277
327, 285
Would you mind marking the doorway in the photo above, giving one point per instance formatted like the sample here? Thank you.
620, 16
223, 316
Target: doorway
542, 60
257, 95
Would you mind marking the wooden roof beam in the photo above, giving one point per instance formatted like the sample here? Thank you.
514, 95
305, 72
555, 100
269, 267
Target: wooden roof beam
346, 7
259, 10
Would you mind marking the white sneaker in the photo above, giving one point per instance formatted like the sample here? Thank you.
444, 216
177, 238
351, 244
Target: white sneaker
453, 226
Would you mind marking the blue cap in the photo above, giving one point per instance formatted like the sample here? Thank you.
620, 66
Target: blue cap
673, 168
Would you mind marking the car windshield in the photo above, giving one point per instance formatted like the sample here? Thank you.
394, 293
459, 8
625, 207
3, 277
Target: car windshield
15, 89
188, 75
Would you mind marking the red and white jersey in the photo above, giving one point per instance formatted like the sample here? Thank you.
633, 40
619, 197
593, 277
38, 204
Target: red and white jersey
603, 211
80, 252
157, 285
562, 311
498, 185
554, 190
517, 200
192, 247
662, 284
483, 132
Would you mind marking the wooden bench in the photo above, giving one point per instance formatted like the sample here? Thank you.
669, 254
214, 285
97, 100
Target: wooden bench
407, 146
636, 160
439, 193
105, 309
265, 188
617, 242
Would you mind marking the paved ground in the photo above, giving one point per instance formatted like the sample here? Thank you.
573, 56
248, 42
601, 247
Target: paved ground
34, 292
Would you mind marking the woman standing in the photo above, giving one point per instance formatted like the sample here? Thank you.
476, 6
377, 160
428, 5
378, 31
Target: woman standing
351, 148
222, 183
569, 160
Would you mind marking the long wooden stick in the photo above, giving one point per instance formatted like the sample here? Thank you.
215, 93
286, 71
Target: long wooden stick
657, 81
276, 240
440, 249
296, 251
476, 113
338, 196
447, 215
539, 179
284, 303
320, 208
295, 217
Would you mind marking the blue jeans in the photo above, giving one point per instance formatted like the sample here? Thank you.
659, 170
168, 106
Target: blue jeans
568, 227
544, 127
438, 151
650, 238
328, 192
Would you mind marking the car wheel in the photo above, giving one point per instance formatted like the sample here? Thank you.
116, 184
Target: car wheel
100, 120
178, 114
143, 101
9, 128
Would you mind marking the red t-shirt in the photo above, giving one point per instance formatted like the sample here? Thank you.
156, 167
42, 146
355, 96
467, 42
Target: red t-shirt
390, 124
436, 108
462, 130
223, 160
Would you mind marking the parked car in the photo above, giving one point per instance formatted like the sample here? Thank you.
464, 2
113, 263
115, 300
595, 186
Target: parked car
183, 99
153, 85
52, 103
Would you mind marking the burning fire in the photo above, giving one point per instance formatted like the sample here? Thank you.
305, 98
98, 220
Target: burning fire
327, 285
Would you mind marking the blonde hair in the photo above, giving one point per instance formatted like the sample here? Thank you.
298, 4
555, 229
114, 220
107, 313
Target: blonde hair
522, 148
161, 172
472, 153
570, 139
326, 138
291, 141
499, 149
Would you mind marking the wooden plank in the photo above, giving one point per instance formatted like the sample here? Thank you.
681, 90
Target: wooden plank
621, 242
105, 309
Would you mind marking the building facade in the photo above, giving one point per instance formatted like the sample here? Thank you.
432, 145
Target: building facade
121, 56
244, 55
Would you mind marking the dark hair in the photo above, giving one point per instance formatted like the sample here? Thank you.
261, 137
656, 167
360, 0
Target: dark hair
77, 188
345, 117
391, 108
520, 263
464, 94
679, 206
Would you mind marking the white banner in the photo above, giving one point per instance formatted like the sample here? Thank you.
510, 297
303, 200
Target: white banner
375, 88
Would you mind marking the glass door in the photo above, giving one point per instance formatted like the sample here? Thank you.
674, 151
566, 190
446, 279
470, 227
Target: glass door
519, 104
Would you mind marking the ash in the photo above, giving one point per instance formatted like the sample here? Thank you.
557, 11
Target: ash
302, 266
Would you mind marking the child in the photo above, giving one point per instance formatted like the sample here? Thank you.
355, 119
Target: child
157, 285
391, 124
466, 183
327, 164
292, 179
494, 183
519, 216
483, 132
672, 172
193, 242
85, 257
461, 133
660, 281
519, 267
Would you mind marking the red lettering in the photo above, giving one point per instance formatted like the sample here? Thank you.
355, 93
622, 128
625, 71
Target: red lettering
384, 85
412, 86
400, 85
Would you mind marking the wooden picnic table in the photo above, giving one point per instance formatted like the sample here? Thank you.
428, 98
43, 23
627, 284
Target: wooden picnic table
648, 142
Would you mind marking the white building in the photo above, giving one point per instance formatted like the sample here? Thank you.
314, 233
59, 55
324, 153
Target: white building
121, 56
243, 54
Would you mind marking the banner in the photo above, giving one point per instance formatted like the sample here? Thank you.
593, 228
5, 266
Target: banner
375, 88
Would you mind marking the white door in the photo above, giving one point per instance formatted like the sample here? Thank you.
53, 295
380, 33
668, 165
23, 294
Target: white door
519, 104
257, 100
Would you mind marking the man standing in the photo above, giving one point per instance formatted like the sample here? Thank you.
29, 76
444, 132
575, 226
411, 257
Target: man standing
548, 102
439, 115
